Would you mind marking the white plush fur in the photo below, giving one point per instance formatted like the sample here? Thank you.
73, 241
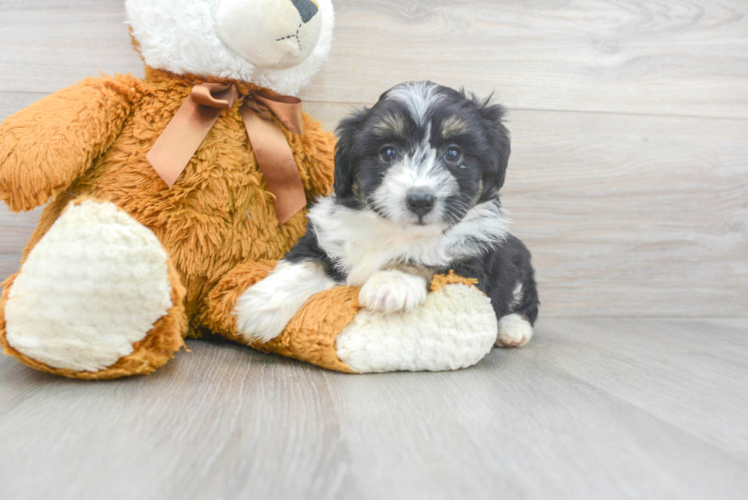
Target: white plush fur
363, 243
94, 285
264, 310
180, 36
393, 291
435, 336
514, 331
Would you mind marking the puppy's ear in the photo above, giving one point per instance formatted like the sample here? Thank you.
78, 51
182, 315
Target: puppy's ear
499, 144
346, 169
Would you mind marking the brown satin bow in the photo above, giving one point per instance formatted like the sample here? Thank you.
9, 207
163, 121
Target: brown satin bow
183, 135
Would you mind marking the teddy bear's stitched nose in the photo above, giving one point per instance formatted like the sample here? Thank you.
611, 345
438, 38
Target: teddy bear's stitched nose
307, 9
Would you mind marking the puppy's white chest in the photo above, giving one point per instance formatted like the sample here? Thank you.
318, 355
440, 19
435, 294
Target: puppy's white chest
362, 258
362, 243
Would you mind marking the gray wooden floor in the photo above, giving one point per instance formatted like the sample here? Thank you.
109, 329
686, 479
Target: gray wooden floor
592, 408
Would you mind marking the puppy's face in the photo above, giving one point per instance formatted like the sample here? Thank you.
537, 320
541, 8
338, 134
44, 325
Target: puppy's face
423, 155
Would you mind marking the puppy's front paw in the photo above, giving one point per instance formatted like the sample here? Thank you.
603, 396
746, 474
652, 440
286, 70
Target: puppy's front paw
260, 318
391, 291
514, 331
264, 310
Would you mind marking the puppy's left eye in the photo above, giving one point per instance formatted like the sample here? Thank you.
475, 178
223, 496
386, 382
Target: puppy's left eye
388, 154
453, 155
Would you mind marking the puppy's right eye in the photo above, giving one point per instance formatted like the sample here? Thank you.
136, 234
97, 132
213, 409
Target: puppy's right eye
388, 154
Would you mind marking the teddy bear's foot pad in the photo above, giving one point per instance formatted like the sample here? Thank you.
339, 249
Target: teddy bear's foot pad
454, 328
93, 286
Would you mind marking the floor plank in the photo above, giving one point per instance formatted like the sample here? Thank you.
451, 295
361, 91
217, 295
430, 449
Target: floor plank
685, 57
15, 230
696, 380
50, 45
592, 408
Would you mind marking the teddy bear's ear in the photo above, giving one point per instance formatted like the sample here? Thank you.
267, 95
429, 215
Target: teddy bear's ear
346, 161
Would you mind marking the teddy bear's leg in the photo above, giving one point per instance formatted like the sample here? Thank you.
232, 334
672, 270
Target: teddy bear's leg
454, 328
97, 297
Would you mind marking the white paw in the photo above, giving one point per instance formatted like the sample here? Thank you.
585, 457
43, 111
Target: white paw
261, 316
391, 291
514, 331
264, 310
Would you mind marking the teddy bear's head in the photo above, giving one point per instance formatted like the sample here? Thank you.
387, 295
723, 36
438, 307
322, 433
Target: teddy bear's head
279, 44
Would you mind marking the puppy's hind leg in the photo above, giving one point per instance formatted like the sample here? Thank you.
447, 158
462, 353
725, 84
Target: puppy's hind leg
514, 331
516, 328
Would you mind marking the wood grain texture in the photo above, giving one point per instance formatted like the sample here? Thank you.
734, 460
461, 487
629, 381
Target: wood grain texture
51, 44
15, 230
683, 57
592, 408
666, 57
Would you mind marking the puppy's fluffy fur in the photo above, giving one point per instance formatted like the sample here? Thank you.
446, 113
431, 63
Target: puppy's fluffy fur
417, 178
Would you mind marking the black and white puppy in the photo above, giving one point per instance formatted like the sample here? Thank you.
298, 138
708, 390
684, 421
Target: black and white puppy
417, 178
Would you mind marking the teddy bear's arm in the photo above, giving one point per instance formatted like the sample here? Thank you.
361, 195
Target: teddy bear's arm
46, 146
319, 158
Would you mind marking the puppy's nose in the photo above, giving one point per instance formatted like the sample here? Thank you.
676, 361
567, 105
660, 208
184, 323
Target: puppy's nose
420, 203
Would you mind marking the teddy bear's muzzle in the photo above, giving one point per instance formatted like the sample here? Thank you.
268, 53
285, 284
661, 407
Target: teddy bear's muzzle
270, 33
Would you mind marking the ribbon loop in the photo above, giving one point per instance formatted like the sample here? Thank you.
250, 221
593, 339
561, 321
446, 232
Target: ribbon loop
182, 137
214, 95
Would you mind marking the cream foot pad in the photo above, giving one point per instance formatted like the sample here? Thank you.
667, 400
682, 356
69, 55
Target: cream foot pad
454, 328
94, 285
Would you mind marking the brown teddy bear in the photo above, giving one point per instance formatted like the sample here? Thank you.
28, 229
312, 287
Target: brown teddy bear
170, 195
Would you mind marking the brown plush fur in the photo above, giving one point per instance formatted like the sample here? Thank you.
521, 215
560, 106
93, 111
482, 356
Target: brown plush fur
91, 140
442, 280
